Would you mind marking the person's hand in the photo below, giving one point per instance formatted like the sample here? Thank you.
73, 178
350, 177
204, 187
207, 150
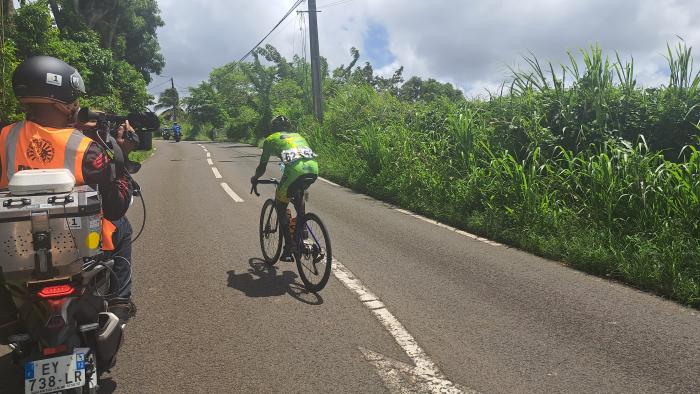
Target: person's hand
124, 143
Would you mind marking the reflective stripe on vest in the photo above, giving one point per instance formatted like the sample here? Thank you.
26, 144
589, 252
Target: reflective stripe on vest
108, 229
11, 148
72, 146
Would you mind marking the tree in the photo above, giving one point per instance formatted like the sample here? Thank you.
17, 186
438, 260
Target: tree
416, 89
127, 27
169, 101
111, 84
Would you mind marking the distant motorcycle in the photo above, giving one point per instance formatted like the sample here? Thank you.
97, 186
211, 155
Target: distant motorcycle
176, 133
52, 266
165, 133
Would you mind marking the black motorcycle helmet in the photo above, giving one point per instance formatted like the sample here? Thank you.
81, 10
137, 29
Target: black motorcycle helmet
279, 124
45, 79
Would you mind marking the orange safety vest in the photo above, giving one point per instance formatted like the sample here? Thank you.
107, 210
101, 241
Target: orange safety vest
26, 145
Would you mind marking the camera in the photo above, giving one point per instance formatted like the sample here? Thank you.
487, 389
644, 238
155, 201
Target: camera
144, 123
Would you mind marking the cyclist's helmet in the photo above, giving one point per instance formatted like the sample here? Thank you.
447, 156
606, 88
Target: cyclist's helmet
280, 124
45, 79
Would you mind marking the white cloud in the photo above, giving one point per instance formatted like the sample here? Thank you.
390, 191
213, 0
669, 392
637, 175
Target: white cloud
470, 43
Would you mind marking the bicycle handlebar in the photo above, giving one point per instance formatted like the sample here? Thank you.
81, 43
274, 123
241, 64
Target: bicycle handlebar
254, 187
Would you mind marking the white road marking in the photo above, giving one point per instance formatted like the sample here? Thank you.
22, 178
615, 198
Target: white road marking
329, 182
425, 368
217, 174
446, 227
208, 154
211, 163
402, 378
231, 193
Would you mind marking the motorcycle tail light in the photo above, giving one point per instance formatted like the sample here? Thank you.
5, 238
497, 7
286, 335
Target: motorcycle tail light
56, 291
50, 351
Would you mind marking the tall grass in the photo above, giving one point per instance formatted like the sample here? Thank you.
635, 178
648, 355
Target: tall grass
575, 162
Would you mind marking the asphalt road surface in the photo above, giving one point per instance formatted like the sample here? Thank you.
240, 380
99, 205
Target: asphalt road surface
412, 306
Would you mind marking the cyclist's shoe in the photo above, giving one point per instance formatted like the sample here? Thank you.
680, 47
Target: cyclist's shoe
287, 255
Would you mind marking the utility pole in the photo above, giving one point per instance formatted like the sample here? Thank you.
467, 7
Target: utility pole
177, 101
315, 62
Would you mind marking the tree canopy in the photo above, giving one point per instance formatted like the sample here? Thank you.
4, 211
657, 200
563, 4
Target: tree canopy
113, 62
241, 98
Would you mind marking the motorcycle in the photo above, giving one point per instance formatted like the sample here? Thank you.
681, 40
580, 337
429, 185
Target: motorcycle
165, 133
52, 265
177, 134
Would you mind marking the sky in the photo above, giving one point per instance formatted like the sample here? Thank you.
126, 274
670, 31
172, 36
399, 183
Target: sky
470, 43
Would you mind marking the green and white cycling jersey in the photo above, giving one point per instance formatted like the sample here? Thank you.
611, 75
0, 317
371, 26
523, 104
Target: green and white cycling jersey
296, 156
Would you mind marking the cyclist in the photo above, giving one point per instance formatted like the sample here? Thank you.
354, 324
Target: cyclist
299, 171
49, 89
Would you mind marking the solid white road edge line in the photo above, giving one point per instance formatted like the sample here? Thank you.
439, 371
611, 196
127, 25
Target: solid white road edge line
328, 182
216, 172
211, 163
425, 367
230, 192
446, 227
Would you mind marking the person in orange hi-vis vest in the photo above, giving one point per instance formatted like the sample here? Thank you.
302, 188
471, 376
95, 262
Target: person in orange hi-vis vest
48, 89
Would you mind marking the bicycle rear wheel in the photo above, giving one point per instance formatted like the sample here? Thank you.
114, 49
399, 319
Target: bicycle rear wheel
270, 234
315, 255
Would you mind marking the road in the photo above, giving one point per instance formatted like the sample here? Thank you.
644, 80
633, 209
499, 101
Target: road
412, 306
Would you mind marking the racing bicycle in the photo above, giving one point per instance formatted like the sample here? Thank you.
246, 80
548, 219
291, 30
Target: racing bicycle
312, 253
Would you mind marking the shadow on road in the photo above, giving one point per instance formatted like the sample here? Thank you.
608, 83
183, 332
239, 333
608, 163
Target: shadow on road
262, 280
107, 386
10, 376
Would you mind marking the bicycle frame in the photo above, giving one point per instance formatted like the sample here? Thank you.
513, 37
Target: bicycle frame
300, 209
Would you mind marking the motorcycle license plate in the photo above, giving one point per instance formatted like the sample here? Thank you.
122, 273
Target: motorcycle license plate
59, 373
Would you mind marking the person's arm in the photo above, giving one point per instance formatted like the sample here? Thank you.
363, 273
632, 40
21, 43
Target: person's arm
116, 191
115, 187
264, 158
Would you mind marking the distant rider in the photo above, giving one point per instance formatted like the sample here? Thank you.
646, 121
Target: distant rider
176, 129
48, 89
299, 165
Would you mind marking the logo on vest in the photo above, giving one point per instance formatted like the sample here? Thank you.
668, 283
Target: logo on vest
40, 150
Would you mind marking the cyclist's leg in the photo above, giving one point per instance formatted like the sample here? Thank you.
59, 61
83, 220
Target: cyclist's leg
306, 173
281, 204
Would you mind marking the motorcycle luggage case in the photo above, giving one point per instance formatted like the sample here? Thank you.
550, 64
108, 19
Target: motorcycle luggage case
75, 225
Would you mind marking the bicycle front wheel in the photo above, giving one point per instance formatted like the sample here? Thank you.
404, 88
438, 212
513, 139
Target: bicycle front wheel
315, 256
270, 234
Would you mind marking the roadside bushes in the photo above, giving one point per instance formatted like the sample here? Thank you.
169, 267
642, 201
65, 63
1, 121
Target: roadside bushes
594, 171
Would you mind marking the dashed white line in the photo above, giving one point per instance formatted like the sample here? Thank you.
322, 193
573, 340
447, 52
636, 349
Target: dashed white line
217, 174
425, 367
328, 182
231, 193
211, 163
208, 154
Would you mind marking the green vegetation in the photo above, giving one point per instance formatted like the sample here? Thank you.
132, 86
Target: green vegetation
141, 155
115, 59
575, 162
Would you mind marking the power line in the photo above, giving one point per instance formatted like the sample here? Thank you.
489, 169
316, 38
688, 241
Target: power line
158, 85
340, 2
296, 4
